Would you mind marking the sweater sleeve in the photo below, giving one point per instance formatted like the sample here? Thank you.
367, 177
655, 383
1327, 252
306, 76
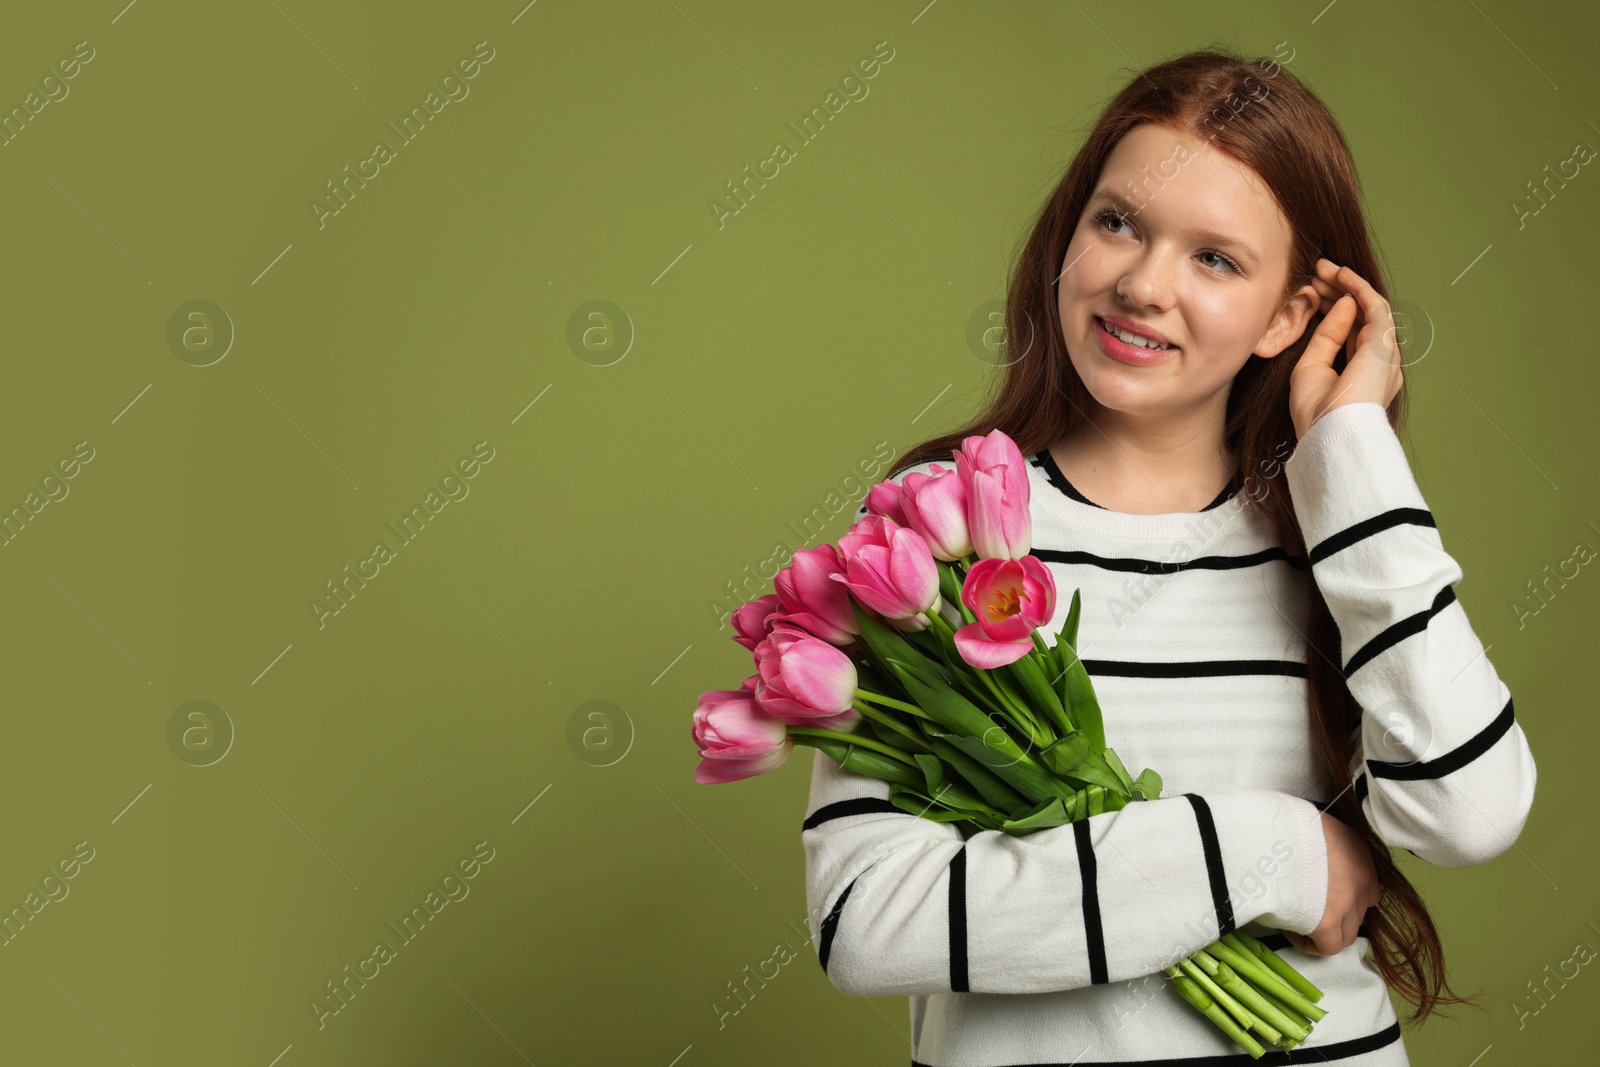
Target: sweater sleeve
1442, 767
903, 905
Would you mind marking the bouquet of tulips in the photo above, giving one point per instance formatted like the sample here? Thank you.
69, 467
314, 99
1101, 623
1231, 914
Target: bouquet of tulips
911, 652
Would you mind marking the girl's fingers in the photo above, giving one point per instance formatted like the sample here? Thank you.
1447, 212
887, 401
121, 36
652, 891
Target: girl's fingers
1331, 333
1325, 285
1373, 306
1303, 943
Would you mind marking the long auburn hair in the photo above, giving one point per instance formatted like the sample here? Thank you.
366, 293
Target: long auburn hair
1263, 116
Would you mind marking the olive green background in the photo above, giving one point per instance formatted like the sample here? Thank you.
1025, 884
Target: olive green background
740, 375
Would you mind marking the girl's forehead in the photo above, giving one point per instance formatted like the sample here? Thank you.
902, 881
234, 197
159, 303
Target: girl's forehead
1178, 183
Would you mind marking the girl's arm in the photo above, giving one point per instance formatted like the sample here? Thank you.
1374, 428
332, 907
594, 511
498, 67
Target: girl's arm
901, 905
1442, 767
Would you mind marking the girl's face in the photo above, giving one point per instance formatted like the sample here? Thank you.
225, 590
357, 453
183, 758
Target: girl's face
1182, 240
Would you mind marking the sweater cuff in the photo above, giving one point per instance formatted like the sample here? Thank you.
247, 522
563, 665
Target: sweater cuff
1275, 856
1349, 467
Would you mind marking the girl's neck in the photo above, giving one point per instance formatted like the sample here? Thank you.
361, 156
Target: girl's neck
1177, 469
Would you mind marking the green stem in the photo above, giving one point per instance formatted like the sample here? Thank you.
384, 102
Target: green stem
1282, 967
1234, 1008
1191, 991
1243, 961
854, 739
1256, 1003
1019, 713
891, 702
887, 720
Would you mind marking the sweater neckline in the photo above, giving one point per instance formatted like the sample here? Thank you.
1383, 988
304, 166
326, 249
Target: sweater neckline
1053, 492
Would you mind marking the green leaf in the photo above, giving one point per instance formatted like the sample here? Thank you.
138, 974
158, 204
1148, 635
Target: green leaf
1097, 799
915, 803
895, 738
1077, 806
1079, 696
1083, 708
1074, 757
949, 583
1148, 785
1121, 771
1045, 700
1018, 771
883, 643
906, 740
1069, 625
1047, 813
949, 708
994, 789
1064, 755
978, 686
865, 761
950, 796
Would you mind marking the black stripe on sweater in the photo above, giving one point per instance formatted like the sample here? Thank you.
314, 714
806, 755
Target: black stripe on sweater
1453, 760
855, 806
1394, 634
1361, 794
1052, 471
958, 921
1152, 566
1336, 1050
831, 924
1204, 668
1367, 527
1278, 943
1214, 871
1093, 934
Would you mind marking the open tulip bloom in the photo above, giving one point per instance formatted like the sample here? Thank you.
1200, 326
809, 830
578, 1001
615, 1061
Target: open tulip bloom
912, 653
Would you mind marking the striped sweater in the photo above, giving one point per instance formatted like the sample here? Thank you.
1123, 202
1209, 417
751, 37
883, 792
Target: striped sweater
1048, 948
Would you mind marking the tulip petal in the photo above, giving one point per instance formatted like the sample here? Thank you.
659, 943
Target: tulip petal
979, 651
717, 770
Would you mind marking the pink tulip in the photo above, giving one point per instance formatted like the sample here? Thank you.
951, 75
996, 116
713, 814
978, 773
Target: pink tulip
736, 738
890, 570
805, 681
752, 620
811, 601
1011, 598
884, 499
935, 505
996, 480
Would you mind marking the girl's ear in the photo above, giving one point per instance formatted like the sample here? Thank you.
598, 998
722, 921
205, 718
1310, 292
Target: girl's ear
1290, 322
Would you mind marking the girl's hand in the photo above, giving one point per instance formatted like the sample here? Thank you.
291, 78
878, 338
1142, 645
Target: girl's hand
1372, 370
1352, 888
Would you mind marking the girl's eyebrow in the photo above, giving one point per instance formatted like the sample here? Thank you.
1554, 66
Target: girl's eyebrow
1206, 236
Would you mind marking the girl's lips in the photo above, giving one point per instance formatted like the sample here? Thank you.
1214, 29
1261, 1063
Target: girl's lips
1123, 352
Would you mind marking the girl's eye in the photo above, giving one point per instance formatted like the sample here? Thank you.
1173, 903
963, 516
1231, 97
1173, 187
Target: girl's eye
1229, 264
1107, 216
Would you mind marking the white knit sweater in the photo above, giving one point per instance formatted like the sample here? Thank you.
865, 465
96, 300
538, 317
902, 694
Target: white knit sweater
1048, 948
